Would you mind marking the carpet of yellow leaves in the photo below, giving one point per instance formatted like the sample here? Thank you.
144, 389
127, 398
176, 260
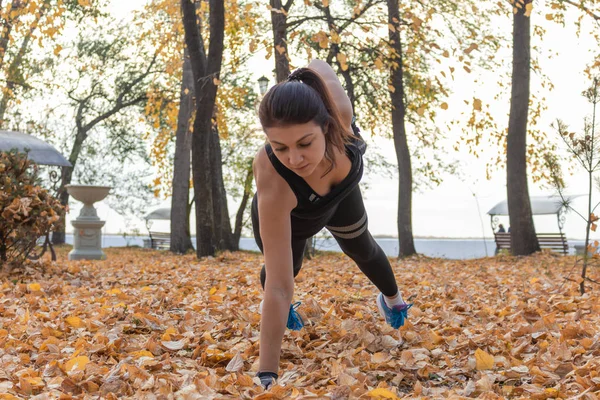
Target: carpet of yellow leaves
149, 325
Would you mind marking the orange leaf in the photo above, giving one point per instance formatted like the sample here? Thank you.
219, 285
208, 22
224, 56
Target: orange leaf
75, 322
382, 393
77, 364
483, 360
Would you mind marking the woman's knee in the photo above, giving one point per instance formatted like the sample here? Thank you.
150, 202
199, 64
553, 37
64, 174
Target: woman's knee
362, 251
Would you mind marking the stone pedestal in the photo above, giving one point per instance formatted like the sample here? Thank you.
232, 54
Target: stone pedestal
87, 242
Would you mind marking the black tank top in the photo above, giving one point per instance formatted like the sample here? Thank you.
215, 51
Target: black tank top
311, 205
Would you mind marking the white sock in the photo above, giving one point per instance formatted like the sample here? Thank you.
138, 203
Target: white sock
394, 301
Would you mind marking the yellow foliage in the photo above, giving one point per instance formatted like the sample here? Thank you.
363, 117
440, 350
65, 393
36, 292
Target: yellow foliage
528, 9
76, 364
382, 393
483, 360
75, 322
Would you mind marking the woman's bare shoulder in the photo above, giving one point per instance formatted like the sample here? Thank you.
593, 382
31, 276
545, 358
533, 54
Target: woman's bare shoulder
271, 188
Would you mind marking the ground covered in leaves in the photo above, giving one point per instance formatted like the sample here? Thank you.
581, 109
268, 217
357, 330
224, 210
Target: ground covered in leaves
146, 324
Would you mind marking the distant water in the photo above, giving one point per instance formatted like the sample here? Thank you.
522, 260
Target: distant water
456, 249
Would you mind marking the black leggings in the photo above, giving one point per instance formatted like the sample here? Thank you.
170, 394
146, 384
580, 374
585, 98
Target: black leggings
348, 225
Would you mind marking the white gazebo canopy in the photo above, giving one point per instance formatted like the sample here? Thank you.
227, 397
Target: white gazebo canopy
163, 213
540, 205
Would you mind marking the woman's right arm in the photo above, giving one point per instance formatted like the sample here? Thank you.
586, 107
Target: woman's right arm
275, 202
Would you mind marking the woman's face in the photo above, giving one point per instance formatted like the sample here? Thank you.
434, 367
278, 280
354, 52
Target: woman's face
300, 148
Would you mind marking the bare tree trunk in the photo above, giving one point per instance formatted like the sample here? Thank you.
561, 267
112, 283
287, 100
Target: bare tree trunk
523, 238
58, 236
222, 223
280, 47
206, 69
405, 235
181, 240
239, 218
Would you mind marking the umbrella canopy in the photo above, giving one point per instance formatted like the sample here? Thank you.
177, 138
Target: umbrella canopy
40, 152
160, 213
540, 205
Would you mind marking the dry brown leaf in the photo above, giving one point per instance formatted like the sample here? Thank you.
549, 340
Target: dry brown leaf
235, 364
151, 330
175, 345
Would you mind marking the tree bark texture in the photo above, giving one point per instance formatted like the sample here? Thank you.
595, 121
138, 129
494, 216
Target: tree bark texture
523, 238
221, 220
181, 240
58, 236
280, 47
405, 235
239, 218
206, 68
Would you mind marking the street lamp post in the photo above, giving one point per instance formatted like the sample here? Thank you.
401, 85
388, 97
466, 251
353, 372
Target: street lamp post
17, 120
263, 84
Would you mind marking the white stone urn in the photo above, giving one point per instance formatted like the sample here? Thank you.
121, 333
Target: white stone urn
87, 237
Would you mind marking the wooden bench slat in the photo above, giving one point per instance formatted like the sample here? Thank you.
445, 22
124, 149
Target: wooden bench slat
160, 240
552, 241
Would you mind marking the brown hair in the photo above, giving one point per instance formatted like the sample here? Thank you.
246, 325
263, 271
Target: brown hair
301, 99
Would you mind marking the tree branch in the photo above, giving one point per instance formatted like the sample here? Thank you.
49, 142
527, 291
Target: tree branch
119, 102
592, 280
288, 5
291, 25
583, 8
369, 4
140, 78
217, 36
193, 38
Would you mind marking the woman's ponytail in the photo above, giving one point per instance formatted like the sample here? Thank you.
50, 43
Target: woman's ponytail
303, 98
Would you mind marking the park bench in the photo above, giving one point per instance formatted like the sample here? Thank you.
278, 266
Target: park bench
159, 240
552, 206
553, 241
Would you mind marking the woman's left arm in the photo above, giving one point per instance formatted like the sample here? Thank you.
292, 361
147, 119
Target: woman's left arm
336, 89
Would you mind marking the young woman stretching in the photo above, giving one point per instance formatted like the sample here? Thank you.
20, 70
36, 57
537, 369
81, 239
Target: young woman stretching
307, 178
